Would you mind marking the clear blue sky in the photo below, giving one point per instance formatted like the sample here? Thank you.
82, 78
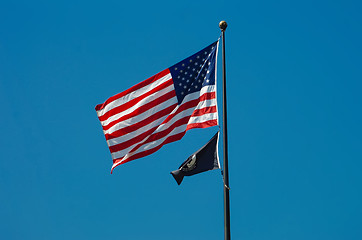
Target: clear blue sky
294, 80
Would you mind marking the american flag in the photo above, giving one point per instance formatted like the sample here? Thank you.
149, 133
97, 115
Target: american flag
160, 109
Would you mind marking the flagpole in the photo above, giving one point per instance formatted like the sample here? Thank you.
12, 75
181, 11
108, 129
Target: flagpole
223, 25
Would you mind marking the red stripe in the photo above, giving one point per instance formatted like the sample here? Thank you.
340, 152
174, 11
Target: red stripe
134, 101
205, 124
143, 109
164, 133
130, 142
138, 138
178, 123
191, 104
158, 135
170, 139
134, 88
142, 123
142, 136
162, 113
202, 111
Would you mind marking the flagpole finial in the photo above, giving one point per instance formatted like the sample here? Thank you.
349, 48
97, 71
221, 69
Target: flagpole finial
223, 25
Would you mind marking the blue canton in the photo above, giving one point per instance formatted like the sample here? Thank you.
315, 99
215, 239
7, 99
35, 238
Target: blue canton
194, 72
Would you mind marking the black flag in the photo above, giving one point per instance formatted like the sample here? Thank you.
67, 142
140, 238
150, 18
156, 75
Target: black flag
206, 158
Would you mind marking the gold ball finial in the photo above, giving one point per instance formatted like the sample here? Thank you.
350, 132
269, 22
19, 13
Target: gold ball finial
223, 25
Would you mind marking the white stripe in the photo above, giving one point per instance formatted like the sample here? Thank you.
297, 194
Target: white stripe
137, 105
207, 89
162, 127
123, 152
131, 135
133, 95
142, 116
154, 144
206, 103
185, 113
160, 141
203, 118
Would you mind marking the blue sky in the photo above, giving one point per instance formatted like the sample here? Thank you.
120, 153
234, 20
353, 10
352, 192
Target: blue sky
294, 103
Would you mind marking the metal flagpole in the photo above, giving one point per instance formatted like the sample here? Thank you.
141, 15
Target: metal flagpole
223, 25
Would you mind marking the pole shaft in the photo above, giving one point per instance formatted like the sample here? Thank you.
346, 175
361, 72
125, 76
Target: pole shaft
225, 144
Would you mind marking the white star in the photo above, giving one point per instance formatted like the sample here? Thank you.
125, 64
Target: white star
185, 87
183, 79
202, 75
199, 80
188, 67
175, 68
190, 75
196, 64
182, 93
205, 53
203, 59
198, 57
190, 60
207, 80
188, 81
180, 84
185, 73
181, 71
195, 86
178, 77
183, 64
208, 63
193, 69
208, 71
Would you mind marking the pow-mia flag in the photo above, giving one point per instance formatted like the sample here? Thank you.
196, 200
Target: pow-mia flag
206, 158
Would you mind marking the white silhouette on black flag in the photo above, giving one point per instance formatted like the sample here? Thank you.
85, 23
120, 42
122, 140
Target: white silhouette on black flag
205, 159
